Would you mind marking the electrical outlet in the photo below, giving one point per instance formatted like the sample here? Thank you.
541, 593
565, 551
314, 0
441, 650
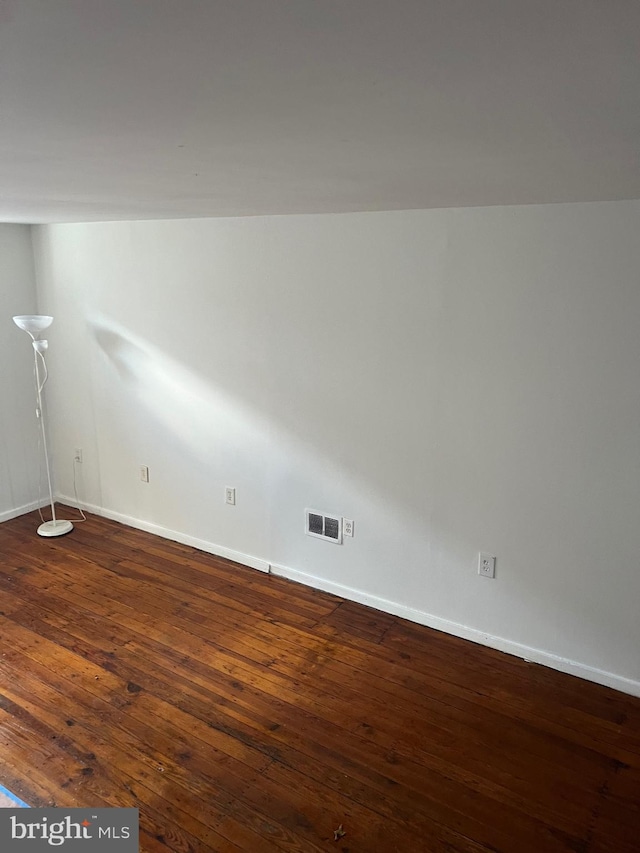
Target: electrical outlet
230, 495
78, 455
486, 565
347, 526
144, 473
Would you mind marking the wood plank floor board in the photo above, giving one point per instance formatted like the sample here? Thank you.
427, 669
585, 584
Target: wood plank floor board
593, 698
519, 696
418, 730
296, 761
615, 827
240, 711
134, 749
208, 567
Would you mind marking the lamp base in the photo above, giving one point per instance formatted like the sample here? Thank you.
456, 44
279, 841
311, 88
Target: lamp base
55, 528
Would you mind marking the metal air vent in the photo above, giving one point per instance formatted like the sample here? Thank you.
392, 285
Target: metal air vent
323, 526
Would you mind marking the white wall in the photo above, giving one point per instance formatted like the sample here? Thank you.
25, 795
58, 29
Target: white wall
18, 424
452, 380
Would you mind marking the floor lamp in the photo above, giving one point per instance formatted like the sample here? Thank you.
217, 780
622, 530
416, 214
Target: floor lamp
34, 325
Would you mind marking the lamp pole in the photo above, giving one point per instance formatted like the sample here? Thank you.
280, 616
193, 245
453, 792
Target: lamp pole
34, 325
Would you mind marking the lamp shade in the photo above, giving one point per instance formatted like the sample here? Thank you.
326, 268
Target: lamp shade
33, 323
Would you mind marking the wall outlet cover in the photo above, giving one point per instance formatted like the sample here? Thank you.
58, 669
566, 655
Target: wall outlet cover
486, 565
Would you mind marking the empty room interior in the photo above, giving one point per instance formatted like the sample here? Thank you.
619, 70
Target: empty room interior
320, 423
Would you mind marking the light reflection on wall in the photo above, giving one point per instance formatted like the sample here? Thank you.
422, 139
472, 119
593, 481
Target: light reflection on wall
186, 405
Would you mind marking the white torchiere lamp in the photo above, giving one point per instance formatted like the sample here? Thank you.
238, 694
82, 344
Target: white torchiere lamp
34, 325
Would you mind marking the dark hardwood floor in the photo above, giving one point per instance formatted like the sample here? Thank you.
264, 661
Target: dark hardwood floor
242, 712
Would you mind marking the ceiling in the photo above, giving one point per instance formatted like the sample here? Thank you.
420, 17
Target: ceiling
145, 109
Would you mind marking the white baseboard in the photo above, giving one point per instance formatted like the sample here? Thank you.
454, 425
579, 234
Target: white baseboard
581, 670
22, 510
174, 535
599, 676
